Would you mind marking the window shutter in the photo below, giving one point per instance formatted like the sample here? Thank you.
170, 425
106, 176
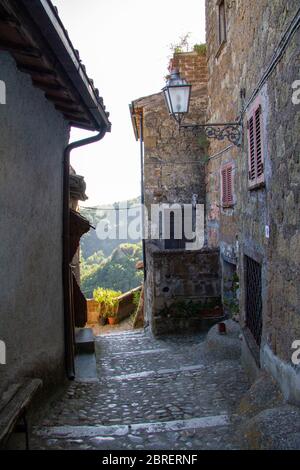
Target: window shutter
258, 140
251, 138
255, 147
224, 187
227, 186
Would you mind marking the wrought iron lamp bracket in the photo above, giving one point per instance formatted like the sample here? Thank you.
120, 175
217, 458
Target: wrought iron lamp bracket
231, 131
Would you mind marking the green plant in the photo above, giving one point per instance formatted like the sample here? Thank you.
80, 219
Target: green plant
136, 298
182, 45
108, 299
232, 302
200, 49
203, 141
118, 272
190, 308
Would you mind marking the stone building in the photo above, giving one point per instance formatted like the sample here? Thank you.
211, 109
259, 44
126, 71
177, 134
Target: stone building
250, 190
182, 286
47, 91
253, 190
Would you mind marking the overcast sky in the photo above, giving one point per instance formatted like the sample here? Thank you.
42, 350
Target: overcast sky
125, 46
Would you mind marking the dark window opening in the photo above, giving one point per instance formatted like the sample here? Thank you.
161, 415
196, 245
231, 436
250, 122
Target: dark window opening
253, 298
230, 288
173, 242
222, 22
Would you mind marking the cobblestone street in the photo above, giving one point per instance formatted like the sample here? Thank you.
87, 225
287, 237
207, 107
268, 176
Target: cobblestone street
149, 394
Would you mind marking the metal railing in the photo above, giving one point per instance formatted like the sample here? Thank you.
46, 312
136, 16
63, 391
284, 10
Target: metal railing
253, 298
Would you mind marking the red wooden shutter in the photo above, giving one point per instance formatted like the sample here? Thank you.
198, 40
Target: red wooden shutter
258, 142
227, 190
229, 185
251, 140
224, 187
255, 146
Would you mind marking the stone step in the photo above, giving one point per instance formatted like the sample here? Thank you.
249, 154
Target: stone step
204, 432
84, 341
174, 394
85, 367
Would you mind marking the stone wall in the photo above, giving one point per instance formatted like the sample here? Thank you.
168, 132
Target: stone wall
174, 171
183, 291
175, 160
192, 67
253, 33
33, 138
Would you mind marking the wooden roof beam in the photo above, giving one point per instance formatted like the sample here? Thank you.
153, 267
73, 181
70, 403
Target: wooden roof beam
40, 71
21, 49
71, 111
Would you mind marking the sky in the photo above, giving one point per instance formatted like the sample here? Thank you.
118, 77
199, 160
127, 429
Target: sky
125, 46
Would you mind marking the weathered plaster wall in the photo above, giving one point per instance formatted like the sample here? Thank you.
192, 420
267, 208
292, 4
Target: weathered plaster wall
33, 136
253, 33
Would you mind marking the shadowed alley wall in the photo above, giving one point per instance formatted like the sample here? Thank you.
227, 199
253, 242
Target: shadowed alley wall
33, 138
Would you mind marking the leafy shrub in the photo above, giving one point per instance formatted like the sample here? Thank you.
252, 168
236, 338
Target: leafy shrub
200, 49
118, 272
136, 298
108, 299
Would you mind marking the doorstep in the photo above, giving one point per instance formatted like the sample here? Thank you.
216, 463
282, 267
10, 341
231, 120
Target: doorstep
84, 341
85, 359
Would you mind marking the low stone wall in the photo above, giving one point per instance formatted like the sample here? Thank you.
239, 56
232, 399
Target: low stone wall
93, 311
126, 307
183, 290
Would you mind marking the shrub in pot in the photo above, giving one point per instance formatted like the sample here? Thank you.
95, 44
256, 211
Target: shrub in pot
108, 300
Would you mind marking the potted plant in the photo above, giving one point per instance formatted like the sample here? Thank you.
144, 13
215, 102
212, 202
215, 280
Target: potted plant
108, 300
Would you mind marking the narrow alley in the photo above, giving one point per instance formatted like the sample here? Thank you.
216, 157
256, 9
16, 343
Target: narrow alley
150, 228
149, 394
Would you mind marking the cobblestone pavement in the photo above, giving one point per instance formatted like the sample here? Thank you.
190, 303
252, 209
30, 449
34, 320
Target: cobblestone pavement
149, 394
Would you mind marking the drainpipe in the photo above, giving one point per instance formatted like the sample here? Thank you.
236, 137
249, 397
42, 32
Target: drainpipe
66, 271
143, 193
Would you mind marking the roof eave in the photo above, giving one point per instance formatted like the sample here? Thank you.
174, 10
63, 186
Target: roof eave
47, 21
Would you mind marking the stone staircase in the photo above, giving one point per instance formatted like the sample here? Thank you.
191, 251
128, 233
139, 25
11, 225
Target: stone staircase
149, 394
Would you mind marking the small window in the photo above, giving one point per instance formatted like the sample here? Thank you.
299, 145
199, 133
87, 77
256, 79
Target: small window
173, 229
221, 22
255, 147
227, 186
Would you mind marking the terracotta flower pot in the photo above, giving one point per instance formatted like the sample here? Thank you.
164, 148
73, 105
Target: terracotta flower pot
113, 320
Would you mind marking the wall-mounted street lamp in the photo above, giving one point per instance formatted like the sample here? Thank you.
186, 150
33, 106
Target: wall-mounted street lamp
177, 93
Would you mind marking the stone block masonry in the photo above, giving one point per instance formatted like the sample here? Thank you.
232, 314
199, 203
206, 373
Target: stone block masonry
183, 290
263, 222
174, 172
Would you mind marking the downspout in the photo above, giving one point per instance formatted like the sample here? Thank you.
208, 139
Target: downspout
68, 310
143, 193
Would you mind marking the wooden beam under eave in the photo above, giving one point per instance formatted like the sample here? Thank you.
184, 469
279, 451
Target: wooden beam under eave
37, 71
10, 21
70, 111
20, 49
72, 118
60, 100
49, 86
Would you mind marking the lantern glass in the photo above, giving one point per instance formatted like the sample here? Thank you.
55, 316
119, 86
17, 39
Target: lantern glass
180, 98
177, 95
